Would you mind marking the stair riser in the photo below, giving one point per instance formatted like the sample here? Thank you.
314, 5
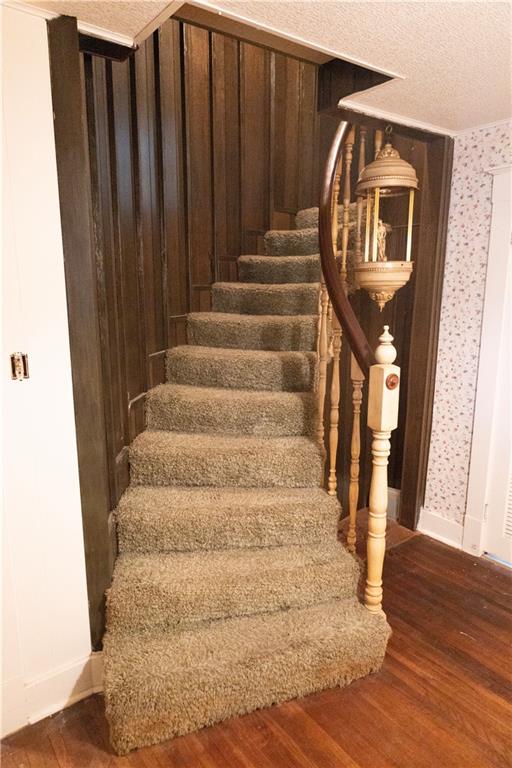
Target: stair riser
262, 418
301, 242
296, 335
186, 530
142, 606
294, 374
268, 468
280, 270
300, 301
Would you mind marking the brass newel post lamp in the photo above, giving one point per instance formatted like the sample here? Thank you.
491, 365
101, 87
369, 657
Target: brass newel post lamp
387, 176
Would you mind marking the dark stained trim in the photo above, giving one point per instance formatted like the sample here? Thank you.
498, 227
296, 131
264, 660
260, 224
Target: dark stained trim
80, 274
425, 331
338, 79
104, 48
217, 22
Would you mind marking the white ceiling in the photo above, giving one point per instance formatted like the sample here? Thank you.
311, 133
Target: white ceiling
452, 59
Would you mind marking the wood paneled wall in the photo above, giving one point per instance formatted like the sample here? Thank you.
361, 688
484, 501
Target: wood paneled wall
198, 144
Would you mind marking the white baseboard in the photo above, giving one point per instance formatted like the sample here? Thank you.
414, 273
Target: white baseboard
27, 702
440, 528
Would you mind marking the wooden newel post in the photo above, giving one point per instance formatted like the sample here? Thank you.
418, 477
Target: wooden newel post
383, 392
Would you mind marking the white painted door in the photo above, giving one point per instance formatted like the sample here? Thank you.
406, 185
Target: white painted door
488, 520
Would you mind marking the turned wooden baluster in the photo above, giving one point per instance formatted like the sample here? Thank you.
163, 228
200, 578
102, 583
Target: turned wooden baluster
336, 327
335, 406
357, 378
349, 145
383, 394
335, 351
322, 357
359, 220
378, 142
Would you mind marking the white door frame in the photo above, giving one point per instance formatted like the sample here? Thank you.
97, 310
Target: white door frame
492, 323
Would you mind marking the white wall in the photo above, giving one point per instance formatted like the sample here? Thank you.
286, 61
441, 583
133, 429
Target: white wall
45, 627
476, 152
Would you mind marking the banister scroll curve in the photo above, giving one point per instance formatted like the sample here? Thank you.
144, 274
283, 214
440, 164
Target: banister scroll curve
339, 300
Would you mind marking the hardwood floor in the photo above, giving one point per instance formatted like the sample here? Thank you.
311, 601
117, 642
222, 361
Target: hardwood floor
442, 700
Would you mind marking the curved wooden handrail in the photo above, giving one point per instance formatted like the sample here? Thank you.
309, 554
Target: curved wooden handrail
339, 300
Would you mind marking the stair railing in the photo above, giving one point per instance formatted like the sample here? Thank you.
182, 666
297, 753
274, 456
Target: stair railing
337, 318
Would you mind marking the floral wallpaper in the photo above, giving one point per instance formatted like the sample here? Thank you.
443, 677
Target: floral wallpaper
461, 316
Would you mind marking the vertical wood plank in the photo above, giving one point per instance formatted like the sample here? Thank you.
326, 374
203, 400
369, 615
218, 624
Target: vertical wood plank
286, 138
196, 57
102, 156
125, 136
80, 274
153, 265
308, 182
255, 143
226, 152
173, 179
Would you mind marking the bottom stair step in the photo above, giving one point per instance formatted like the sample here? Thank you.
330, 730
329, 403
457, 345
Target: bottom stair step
158, 686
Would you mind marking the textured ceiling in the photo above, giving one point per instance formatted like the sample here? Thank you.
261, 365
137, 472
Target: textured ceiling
453, 59
117, 16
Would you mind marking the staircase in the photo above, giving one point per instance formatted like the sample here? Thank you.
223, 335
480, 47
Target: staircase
231, 591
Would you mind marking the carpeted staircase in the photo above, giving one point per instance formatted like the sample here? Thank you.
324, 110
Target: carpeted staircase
231, 591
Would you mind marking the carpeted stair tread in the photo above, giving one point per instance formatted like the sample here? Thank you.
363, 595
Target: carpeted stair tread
184, 408
279, 269
174, 458
160, 519
163, 685
291, 242
266, 332
242, 368
265, 299
181, 589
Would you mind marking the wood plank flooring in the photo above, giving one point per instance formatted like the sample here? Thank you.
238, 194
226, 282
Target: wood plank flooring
442, 700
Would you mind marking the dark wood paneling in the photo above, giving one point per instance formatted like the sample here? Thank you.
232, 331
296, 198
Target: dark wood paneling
226, 153
295, 167
85, 342
233, 28
153, 265
337, 79
309, 160
198, 126
104, 48
286, 170
125, 138
98, 81
255, 144
173, 180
